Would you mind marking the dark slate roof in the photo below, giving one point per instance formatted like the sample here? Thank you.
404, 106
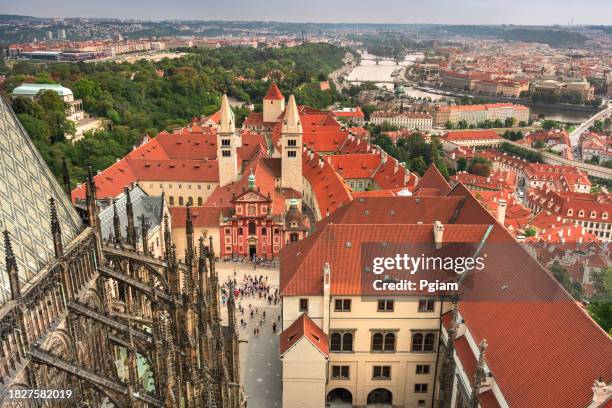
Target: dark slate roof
142, 203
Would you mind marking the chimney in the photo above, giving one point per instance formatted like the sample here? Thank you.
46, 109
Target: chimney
438, 233
501, 211
326, 296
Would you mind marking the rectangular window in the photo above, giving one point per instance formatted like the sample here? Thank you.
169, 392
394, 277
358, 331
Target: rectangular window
381, 373
225, 142
420, 388
226, 153
291, 143
385, 305
303, 305
291, 153
342, 305
422, 368
427, 305
340, 372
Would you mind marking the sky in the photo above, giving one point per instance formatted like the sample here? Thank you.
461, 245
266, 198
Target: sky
525, 12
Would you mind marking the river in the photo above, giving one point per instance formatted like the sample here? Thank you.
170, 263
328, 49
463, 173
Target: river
381, 74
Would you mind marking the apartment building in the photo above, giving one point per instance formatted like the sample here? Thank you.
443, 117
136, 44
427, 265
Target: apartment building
409, 120
475, 114
343, 345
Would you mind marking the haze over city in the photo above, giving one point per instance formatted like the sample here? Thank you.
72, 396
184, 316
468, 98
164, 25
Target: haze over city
524, 12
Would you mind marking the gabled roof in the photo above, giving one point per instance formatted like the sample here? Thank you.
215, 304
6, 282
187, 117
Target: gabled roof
304, 327
274, 93
433, 179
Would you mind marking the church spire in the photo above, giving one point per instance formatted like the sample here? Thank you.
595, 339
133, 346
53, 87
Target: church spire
11, 267
131, 228
116, 223
291, 122
56, 229
228, 122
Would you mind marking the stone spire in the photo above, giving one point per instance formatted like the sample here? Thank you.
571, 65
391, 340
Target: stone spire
144, 232
480, 375
56, 230
189, 232
447, 373
11, 267
131, 228
228, 122
92, 206
167, 239
116, 223
66, 177
291, 121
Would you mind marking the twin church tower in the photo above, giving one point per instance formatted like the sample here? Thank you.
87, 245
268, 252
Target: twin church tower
290, 149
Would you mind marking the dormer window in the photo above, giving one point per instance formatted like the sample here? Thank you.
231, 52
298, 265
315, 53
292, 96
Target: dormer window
593, 214
570, 212
604, 216
581, 213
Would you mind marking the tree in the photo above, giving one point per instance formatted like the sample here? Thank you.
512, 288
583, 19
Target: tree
539, 144
480, 166
462, 164
550, 124
530, 232
418, 165
509, 122
449, 124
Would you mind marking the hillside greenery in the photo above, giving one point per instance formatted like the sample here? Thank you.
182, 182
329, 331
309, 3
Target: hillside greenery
147, 97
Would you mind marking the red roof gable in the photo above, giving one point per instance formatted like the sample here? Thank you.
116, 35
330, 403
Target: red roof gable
433, 179
304, 327
274, 93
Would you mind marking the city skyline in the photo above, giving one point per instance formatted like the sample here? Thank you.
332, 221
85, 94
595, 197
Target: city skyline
443, 12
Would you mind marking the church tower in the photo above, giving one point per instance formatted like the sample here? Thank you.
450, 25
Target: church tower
291, 142
273, 104
227, 142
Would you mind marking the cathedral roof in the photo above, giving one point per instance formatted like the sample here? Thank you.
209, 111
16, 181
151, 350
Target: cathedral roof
26, 184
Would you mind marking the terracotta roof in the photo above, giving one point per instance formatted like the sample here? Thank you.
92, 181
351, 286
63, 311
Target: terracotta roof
471, 135
304, 327
329, 188
467, 357
433, 179
200, 216
274, 93
342, 245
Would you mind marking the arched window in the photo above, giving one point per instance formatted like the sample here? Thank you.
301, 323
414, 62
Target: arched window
429, 342
389, 342
190, 200
252, 228
171, 200
417, 342
294, 237
347, 342
263, 231
377, 342
240, 232
335, 343
181, 202
200, 201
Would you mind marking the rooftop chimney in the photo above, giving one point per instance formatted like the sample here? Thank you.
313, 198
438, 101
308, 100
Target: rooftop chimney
438, 233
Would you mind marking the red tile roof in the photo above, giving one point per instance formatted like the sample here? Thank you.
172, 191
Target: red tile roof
200, 216
304, 327
467, 357
274, 93
433, 179
471, 135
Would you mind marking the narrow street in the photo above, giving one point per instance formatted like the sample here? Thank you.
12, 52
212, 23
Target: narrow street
260, 364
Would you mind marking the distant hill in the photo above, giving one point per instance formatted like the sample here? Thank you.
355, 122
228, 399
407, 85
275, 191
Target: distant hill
550, 36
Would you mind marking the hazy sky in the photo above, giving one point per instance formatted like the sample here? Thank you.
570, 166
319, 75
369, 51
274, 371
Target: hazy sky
358, 11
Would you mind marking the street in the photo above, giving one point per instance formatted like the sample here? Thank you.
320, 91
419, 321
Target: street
260, 364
